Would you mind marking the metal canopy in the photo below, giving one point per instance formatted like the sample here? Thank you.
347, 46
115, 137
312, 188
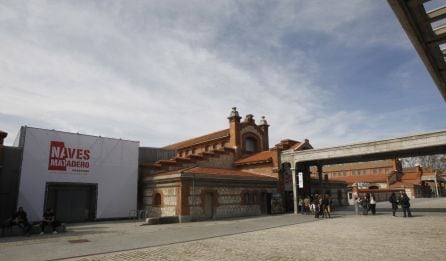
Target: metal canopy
427, 32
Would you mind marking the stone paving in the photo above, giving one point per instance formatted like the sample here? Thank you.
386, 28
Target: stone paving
283, 237
380, 237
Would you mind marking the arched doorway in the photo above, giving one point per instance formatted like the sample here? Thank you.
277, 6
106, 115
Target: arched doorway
265, 200
208, 205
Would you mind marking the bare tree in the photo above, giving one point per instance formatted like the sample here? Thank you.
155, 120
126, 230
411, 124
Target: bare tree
435, 162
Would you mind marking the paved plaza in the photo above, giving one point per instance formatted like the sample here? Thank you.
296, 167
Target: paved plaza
280, 237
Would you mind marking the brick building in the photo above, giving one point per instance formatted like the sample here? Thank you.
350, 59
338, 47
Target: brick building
228, 173
421, 182
371, 175
387, 175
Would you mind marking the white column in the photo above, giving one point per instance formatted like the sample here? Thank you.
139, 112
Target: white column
436, 187
293, 174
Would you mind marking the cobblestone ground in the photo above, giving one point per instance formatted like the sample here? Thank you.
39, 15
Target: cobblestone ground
380, 237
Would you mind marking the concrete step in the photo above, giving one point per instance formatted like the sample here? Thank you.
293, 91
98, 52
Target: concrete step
17, 231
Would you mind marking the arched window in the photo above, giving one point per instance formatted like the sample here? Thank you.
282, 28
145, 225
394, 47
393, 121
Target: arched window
251, 144
157, 199
245, 198
254, 198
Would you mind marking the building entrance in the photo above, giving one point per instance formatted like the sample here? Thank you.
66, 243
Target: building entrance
72, 202
208, 205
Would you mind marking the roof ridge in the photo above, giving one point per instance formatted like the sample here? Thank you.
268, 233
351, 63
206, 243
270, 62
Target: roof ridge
198, 140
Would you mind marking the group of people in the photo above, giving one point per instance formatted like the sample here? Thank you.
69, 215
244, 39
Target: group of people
402, 200
367, 202
20, 219
319, 205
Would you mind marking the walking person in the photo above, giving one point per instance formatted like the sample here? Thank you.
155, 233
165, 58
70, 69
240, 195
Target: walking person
405, 204
394, 201
326, 206
306, 205
365, 205
300, 205
373, 203
317, 206
356, 202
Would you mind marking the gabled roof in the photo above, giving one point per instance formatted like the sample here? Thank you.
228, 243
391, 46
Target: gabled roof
201, 139
292, 145
261, 157
300, 146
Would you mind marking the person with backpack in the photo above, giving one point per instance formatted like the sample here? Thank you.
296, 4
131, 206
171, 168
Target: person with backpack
365, 205
405, 204
326, 206
394, 201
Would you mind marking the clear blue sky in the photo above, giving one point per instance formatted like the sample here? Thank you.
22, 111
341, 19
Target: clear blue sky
335, 72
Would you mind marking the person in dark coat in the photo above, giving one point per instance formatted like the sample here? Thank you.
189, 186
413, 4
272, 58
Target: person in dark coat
326, 206
49, 219
20, 219
317, 204
394, 201
405, 204
365, 205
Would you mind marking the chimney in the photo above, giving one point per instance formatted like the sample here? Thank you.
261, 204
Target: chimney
263, 125
234, 131
2, 137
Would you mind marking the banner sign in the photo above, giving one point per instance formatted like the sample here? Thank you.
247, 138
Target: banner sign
62, 158
301, 180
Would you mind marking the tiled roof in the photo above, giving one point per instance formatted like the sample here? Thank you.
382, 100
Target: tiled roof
414, 170
363, 178
215, 173
402, 184
359, 165
208, 137
219, 172
258, 157
227, 173
409, 176
295, 146
410, 169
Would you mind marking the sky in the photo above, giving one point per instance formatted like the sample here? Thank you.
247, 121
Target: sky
159, 72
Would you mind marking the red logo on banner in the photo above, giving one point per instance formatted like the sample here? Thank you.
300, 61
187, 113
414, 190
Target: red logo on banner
65, 158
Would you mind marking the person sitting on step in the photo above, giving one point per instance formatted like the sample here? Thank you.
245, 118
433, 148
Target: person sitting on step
49, 219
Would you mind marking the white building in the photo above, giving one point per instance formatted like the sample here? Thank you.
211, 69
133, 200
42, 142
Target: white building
81, 177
